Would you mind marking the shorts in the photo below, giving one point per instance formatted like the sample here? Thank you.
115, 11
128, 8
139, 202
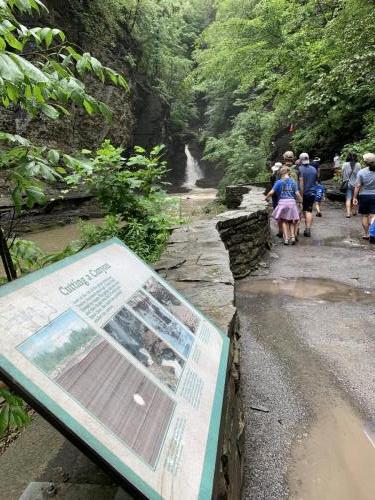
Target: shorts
308, 202
349, 193
366, 204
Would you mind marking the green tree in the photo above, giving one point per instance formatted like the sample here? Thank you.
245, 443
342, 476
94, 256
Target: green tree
265, 64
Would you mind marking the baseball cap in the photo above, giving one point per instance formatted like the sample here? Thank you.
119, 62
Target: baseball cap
288, 155
276, 167
304, 157
369, 158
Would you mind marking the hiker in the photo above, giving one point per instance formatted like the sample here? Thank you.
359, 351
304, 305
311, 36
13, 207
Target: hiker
336, 162
275, 177
350, 170
365, 188
289, 161
286, 211
319, 197
308, 178
316, 164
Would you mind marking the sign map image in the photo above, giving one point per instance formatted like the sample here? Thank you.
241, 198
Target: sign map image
172, 303
126, 402
146, 347
159, 319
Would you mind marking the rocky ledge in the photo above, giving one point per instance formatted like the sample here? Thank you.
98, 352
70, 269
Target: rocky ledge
197, 263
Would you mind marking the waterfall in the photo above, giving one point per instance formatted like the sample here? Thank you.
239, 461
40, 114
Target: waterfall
193, 171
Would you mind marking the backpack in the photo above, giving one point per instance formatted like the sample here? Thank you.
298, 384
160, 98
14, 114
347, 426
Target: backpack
371, 232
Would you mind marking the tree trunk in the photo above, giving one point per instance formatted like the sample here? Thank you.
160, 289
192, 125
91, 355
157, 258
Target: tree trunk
6, 258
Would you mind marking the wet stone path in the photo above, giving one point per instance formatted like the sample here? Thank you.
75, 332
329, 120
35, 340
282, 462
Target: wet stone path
308, 366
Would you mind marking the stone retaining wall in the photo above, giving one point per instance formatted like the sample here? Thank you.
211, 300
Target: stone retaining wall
197, 264
245, 231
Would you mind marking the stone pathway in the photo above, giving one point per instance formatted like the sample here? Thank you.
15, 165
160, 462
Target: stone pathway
308, 366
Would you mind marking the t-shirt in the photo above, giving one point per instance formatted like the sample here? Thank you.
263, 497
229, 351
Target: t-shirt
366, 179
286, 189
310, 176
349, 173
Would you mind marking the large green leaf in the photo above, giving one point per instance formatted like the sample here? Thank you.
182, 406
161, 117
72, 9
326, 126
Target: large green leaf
50, 111
9, 69
29, 70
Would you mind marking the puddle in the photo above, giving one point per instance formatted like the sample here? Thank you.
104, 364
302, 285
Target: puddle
307, 288
335, 461
335, 241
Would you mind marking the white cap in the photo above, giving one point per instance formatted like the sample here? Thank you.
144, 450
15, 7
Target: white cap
369, 158
276, 167
304, 158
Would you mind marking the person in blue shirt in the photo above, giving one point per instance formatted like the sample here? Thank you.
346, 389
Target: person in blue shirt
286, 211
319, 197
308, 179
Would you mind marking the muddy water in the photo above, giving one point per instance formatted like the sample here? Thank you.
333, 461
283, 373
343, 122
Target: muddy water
191, 206
308, 288
57, 238
337, 459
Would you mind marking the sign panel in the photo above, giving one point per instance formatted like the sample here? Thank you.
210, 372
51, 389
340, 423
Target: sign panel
123, 363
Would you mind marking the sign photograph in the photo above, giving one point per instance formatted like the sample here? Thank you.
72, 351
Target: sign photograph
121, 361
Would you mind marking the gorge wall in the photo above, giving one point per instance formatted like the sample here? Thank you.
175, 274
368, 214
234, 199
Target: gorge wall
140, 116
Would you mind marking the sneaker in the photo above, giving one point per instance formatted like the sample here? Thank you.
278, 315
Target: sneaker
307, 232
292, 241
286, 242
319, 214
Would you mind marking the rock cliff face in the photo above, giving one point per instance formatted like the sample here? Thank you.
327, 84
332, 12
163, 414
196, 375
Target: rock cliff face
139, 116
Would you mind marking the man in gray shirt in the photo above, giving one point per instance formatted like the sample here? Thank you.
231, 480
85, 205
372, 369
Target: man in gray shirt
365, 188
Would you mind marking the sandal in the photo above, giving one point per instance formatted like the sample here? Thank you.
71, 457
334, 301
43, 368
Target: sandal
366, 237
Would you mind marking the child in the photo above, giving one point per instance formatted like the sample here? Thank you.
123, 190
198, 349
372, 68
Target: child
319, 197
275, 177
286, 211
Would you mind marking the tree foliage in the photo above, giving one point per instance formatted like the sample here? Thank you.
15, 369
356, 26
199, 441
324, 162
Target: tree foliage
41, 73
264, 65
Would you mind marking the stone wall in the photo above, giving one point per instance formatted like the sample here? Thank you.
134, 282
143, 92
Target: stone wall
197, 264
234, 195
245, 231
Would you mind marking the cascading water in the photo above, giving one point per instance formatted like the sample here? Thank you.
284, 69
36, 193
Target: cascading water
193, 170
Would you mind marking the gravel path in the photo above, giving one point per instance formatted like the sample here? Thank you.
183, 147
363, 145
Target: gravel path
308, 331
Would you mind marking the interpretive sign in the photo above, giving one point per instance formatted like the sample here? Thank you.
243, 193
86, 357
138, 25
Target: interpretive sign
123, 364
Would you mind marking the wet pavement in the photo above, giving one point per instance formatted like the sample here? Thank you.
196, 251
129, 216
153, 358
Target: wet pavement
308, 365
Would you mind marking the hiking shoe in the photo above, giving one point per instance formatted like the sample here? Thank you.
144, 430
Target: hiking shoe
319, 214
307, 233
286, 242
292, 241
